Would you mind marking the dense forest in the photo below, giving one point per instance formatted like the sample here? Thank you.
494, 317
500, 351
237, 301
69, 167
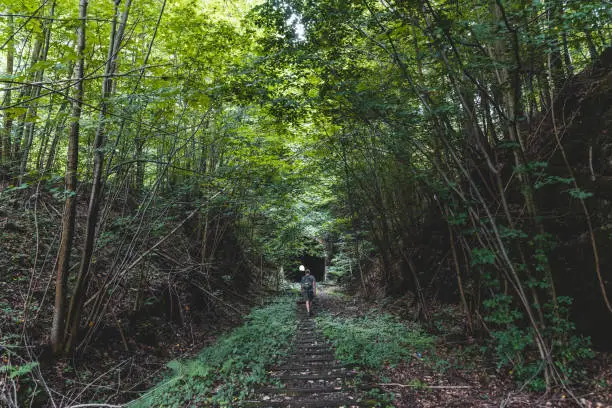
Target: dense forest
167, 165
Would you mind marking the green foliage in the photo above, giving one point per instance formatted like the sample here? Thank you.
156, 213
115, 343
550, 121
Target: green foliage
18, 371
458, 219
376, 397
482, 256
570, 348
549, 180
510, 233
579, 194
374, 340
508, 144
501, 310
534, 167
8, 312
513, 343
341, 265
229, 370
344, 131
10, 189
351, 250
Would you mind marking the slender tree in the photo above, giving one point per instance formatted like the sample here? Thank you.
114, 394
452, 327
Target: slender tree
72, 163
95, 199
5, 134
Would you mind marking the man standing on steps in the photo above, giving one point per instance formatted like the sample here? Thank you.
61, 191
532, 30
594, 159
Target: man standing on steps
309, 288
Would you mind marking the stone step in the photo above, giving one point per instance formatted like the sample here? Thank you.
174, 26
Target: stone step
314, 346
319, 348
316, 376
318, 366
311, 346
313, 359
310, 366
310, 370
300, 390
312, 353
309, 336
306, 403
306, 359
310, 342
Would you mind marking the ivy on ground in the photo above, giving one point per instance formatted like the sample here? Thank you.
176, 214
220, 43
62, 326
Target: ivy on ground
373, 341
229, 370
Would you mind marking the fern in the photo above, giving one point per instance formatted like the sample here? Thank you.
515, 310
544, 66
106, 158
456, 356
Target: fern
18, 371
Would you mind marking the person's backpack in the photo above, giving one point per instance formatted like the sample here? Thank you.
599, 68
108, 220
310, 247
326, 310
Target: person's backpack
307, 283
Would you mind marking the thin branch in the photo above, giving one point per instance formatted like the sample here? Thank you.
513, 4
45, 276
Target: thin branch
8, 40
34, 16
161, 241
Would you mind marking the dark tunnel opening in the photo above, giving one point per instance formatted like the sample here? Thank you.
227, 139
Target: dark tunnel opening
314, 263
316, 266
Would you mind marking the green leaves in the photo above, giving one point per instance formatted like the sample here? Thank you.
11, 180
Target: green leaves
534, 167
579, 194
549, 180
482, 256
18, 371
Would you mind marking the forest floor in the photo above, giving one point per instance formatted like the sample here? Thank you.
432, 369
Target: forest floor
401, 363
127, 355
106, 371
457, 372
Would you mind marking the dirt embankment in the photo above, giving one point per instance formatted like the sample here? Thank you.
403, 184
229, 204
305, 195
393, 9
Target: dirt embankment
159, 313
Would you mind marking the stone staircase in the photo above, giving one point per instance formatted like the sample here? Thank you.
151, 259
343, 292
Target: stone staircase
311, 377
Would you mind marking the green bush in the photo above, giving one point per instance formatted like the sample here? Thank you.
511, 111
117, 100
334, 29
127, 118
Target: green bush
514, 345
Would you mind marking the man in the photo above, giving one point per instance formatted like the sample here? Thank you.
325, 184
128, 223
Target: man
309, 288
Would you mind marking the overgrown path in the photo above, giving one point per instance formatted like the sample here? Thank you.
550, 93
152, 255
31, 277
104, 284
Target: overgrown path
280, 357
311, 376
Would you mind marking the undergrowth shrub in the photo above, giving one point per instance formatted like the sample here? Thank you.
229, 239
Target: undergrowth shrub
512, 340
374, 340
229, 370
513, 344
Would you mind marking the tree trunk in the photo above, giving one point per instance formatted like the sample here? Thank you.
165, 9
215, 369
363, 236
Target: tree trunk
555, 65
5, 134
78, 297
58, 131
63, 262
35, 94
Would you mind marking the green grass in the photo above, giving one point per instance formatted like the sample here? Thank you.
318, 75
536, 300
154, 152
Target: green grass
374, 340
229, 370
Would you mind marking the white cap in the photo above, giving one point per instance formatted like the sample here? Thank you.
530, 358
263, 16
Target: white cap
302, 268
